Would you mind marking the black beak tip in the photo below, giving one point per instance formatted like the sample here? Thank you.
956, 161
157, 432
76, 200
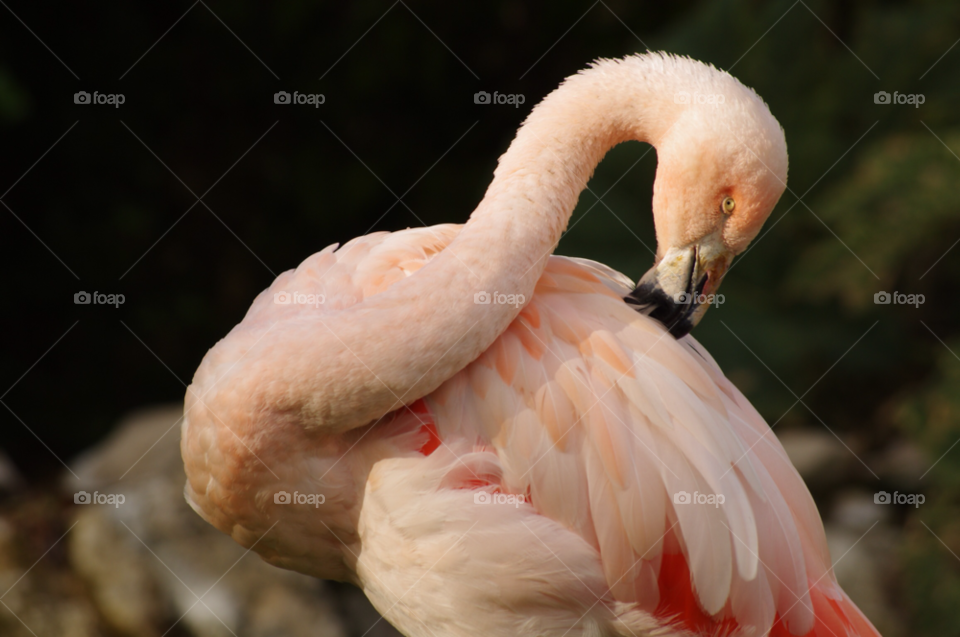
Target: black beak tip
651, 300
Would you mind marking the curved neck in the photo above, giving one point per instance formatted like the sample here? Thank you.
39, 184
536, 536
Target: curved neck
341, 370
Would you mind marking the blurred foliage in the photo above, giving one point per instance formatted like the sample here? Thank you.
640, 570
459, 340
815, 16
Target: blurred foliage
873, 202
932, 416
13, 101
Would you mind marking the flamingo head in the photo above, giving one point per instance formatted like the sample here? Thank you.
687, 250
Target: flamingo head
722, 168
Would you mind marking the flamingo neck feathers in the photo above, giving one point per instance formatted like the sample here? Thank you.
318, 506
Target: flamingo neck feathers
337, 371
282, 392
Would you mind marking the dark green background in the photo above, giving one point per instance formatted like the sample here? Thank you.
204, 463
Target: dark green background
879, 187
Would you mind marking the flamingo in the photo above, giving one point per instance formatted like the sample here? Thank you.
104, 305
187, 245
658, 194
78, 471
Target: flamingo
492, 440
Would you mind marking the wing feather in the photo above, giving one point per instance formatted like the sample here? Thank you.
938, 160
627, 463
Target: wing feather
602, 416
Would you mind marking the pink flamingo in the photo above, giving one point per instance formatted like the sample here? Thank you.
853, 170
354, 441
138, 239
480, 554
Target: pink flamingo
491, 440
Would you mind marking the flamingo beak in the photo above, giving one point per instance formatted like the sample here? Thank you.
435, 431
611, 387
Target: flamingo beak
679, 289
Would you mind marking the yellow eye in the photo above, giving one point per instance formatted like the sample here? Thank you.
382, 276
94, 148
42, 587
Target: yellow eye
728, 205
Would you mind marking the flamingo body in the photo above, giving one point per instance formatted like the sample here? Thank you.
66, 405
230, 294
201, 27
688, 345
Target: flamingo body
534, 484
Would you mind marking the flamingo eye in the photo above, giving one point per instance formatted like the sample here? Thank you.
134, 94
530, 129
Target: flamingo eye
728, 205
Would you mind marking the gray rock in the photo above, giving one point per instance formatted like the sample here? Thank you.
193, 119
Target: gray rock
816, 453
902, 464
150, 560
856, 510
39, 601
107, 556
864, 547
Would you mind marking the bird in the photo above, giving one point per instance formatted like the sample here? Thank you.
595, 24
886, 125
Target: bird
490, 439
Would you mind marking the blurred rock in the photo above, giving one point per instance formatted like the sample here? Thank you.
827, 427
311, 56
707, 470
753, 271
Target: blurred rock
856, 510
39, 601
45, 612
7, 545
865, 548
819, 457
151, 559
144, 445
121, 582
901, 464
